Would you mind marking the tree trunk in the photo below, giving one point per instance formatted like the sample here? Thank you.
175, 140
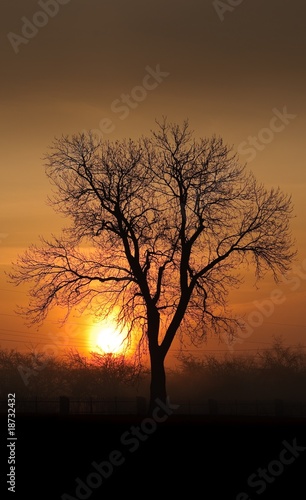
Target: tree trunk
158, 379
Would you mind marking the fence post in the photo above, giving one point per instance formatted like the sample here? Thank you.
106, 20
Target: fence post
64, 405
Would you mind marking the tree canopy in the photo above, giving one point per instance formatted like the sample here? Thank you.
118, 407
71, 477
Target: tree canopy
159, 228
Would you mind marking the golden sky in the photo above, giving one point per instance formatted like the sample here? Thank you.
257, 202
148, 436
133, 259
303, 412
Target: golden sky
69, 66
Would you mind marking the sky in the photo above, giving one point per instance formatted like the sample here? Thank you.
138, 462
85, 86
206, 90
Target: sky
115, 67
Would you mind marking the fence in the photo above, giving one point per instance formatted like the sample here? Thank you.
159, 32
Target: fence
274, 408
138, 405
65, 405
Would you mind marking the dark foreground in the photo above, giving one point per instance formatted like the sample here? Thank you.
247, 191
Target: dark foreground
191, 457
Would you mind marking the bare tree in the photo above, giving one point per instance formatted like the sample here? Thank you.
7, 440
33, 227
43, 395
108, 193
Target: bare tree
160, 228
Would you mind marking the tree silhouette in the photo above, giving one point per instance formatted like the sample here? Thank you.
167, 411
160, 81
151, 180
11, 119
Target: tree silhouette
160, 228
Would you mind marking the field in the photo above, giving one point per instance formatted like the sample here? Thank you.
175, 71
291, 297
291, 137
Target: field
250, 448
195, 457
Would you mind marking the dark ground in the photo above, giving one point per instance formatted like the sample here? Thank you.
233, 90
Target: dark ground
189, 457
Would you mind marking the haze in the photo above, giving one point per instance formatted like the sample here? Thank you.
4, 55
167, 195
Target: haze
116, 67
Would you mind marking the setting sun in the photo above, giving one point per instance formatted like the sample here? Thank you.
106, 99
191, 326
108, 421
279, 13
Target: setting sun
107, 337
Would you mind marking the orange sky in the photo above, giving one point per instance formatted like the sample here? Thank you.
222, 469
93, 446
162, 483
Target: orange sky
240, 74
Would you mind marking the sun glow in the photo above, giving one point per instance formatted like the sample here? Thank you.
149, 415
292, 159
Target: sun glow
107, 337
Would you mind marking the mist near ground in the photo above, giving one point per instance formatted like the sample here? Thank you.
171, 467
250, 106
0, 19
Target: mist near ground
276, 373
